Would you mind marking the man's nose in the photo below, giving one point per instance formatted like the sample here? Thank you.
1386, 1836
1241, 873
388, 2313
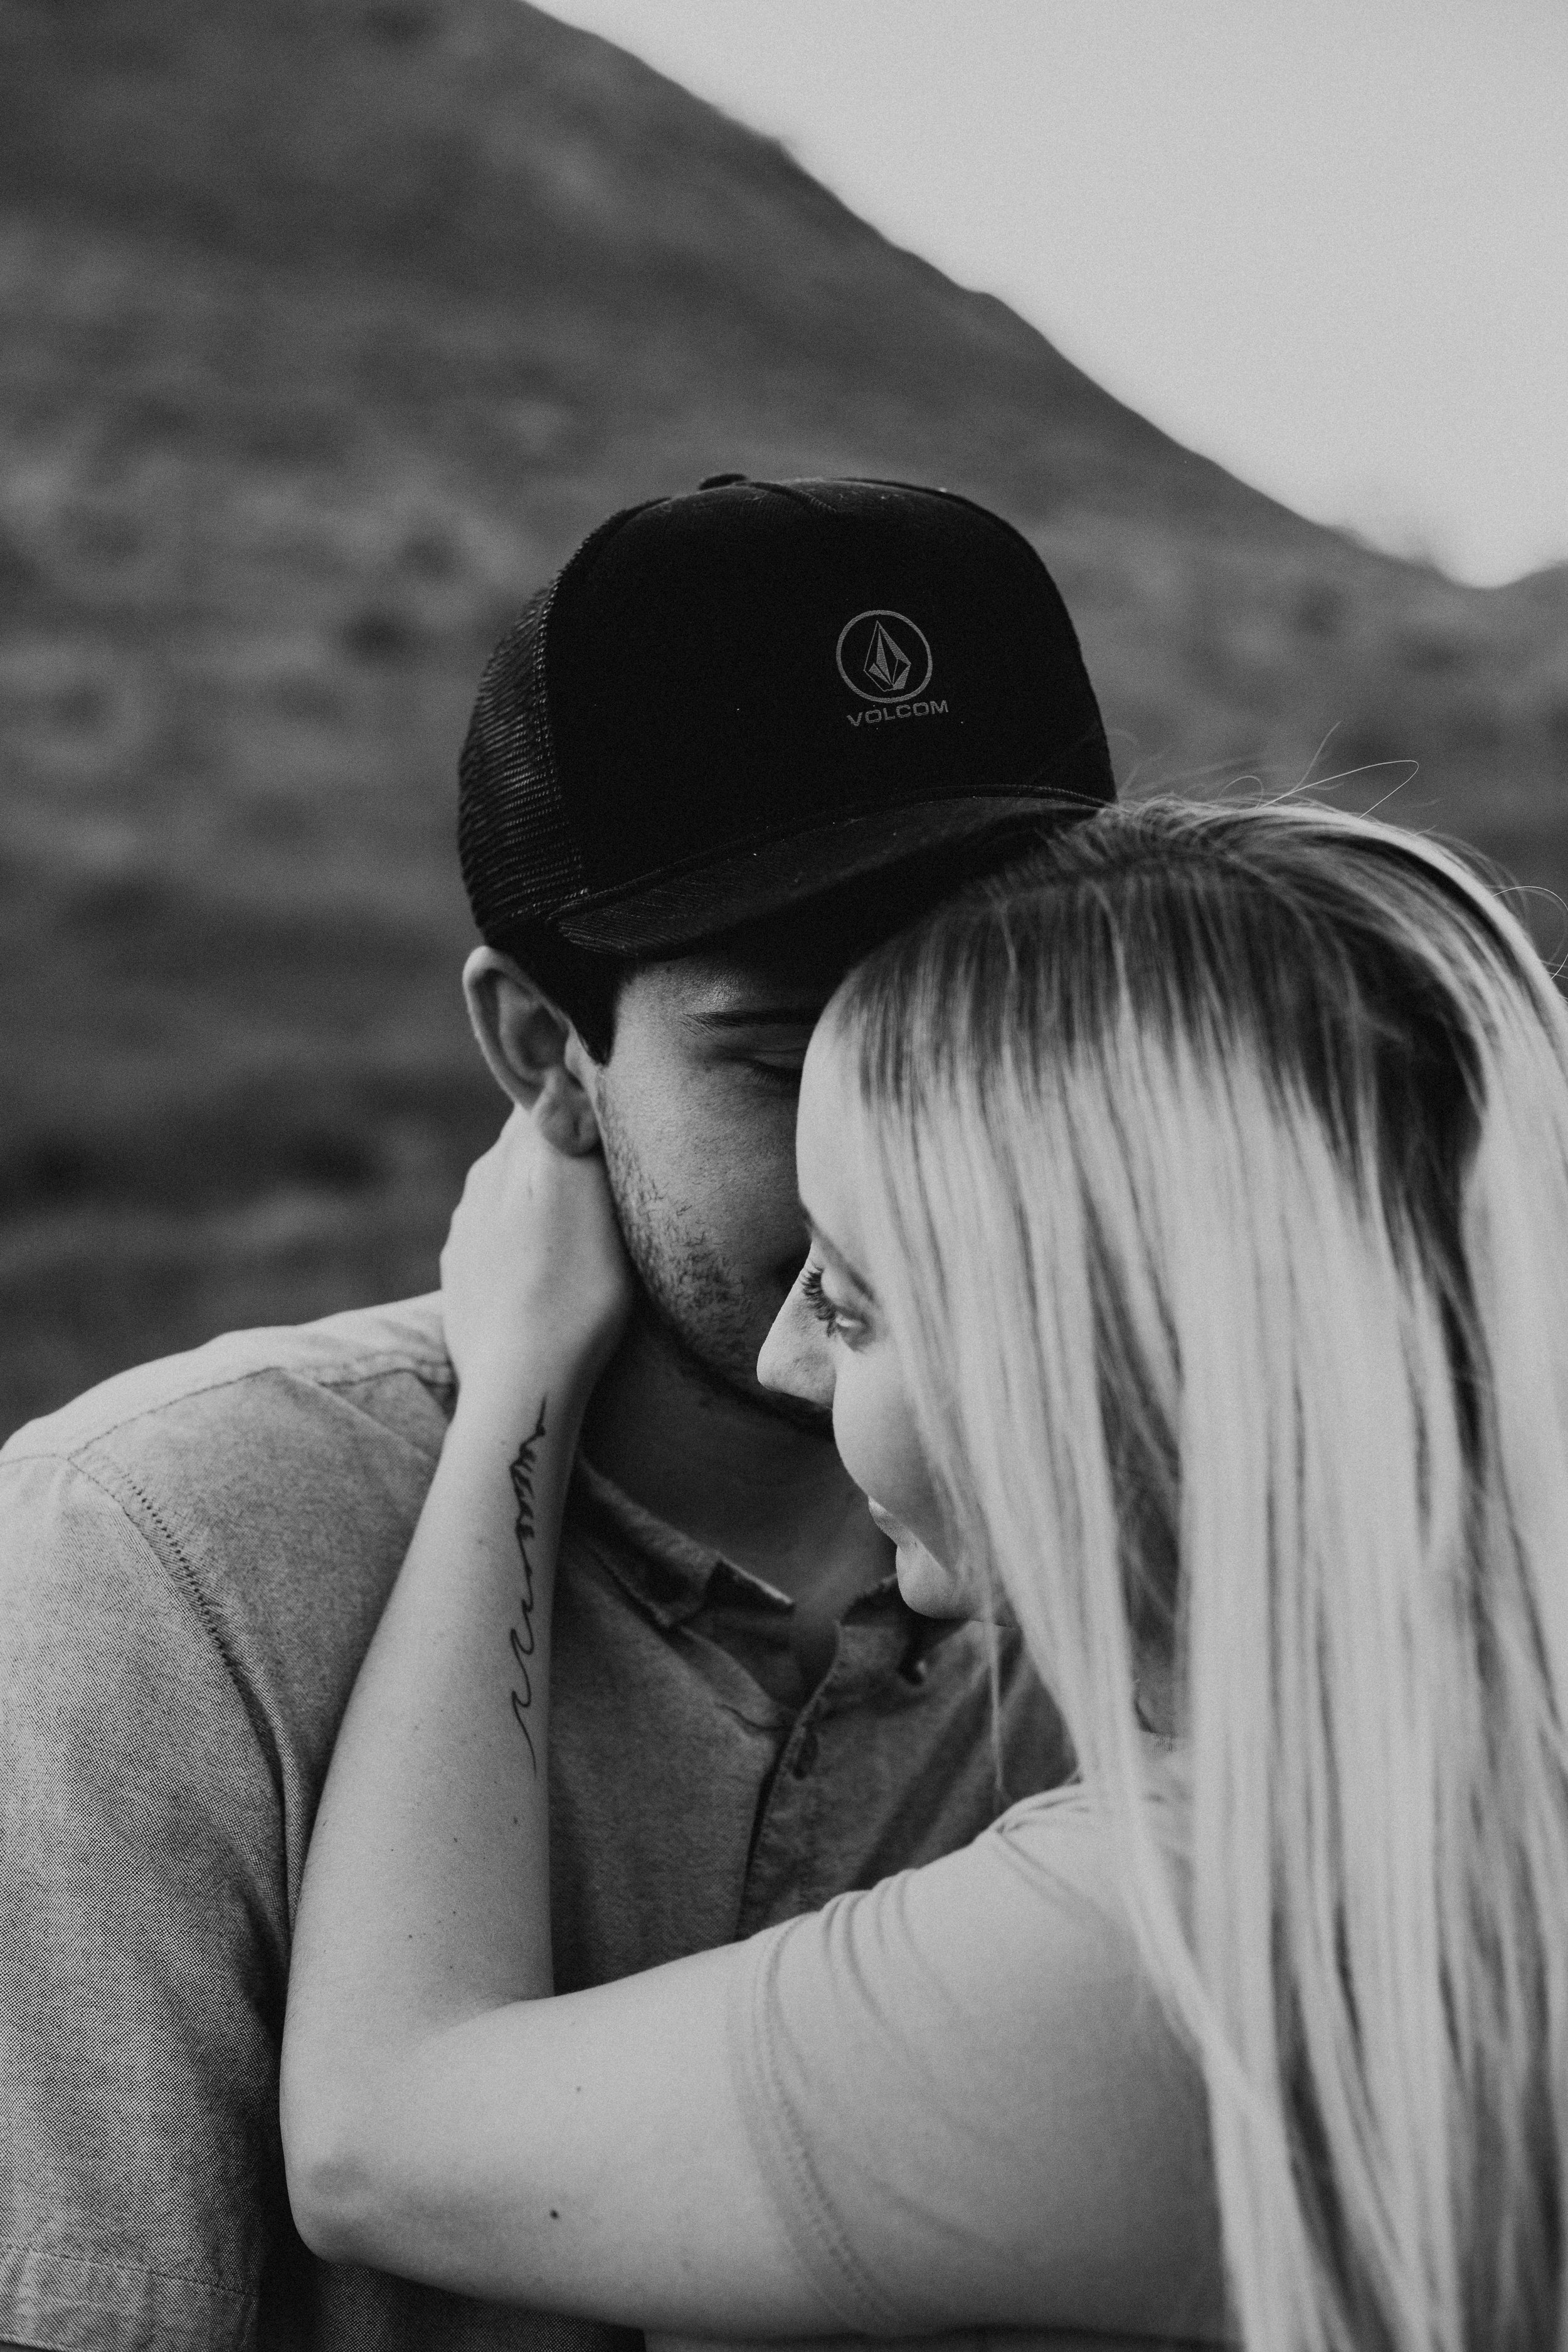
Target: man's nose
795, 1357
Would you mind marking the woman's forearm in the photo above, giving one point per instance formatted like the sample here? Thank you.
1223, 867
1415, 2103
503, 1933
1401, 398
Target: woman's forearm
427, 1895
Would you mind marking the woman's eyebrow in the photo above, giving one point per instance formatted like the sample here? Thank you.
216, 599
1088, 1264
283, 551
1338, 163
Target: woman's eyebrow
826, 1243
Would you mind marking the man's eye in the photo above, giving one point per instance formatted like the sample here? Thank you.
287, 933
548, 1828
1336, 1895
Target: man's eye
783, 1071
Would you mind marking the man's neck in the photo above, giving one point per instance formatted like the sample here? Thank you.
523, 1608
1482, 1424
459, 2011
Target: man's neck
770, 1496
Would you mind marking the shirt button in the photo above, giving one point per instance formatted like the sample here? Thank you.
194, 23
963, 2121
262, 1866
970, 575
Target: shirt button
804, 1756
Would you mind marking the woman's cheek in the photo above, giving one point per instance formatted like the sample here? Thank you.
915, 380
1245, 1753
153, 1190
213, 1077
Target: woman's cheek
850, 1433
861, 1428
875, 1432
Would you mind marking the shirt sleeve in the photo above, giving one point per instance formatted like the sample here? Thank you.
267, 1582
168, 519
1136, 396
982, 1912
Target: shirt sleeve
969, 2107
142, 1924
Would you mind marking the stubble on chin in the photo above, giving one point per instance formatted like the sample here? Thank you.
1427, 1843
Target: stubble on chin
691, 1302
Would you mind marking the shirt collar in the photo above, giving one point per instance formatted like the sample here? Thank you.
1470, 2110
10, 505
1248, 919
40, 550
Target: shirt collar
663, 1570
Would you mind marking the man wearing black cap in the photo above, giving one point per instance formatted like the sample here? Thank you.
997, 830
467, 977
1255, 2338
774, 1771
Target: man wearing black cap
744, 734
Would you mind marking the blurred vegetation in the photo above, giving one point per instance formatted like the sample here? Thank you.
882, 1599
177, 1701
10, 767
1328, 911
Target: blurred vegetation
326, 330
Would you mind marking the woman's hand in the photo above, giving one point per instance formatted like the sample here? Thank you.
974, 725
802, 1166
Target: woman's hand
534, 1266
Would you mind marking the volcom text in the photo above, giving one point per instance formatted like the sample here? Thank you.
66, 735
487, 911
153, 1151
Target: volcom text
931, 710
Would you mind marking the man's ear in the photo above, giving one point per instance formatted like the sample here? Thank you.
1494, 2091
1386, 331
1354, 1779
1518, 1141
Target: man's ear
534, 1054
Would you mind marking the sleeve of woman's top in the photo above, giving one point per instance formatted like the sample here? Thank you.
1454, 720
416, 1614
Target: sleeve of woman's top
968, 2103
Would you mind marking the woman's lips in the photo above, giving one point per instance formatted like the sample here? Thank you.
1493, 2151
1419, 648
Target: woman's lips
886, 1521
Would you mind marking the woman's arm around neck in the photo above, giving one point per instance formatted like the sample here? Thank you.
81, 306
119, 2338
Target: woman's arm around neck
440, 2116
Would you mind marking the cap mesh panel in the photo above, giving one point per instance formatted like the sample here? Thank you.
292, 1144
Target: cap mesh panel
519, 853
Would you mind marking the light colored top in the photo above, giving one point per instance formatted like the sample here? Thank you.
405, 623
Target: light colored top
930, 2068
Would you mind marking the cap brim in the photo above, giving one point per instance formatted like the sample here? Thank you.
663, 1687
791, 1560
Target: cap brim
768, 877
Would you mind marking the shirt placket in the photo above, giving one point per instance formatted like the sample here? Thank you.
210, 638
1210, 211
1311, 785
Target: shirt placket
787, 1871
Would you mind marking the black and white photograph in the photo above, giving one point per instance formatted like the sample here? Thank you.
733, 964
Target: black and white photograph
784, 1175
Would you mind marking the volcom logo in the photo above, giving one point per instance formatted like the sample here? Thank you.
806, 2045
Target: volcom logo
887, 662
883, 657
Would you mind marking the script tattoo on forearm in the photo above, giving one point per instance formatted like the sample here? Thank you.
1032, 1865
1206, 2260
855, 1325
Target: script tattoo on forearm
521, 1639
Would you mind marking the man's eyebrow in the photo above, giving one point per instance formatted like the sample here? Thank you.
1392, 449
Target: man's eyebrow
761, 1016
825, 1241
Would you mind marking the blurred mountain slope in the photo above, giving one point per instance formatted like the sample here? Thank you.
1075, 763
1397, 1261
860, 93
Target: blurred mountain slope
326, 330
486, 149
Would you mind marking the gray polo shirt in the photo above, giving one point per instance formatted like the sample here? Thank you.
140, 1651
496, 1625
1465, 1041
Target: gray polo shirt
192, 1561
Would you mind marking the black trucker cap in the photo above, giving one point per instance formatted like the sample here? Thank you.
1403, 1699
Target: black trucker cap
732, 700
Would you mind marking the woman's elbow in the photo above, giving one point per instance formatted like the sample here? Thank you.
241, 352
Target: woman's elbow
329, 2145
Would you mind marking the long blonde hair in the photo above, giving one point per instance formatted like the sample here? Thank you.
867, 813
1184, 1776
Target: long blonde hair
1220, 1162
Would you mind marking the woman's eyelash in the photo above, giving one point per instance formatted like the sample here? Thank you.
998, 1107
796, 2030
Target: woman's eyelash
819, 1302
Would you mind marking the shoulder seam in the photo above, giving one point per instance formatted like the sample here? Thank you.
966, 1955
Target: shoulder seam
806, 2212
434, 1371
184, 1577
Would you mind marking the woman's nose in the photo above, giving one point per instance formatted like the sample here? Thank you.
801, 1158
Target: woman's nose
796, 1359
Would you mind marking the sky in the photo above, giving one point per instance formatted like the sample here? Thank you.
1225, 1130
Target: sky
1323, 241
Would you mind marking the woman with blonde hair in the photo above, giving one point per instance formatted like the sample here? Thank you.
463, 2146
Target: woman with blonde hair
1189, 1279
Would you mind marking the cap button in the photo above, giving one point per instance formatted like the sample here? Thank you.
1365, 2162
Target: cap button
721, 481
